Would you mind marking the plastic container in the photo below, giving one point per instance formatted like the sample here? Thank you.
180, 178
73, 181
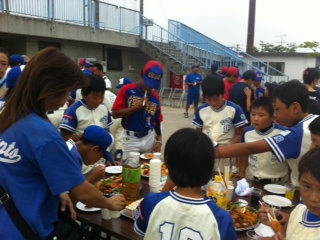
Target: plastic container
131, 178
218, 192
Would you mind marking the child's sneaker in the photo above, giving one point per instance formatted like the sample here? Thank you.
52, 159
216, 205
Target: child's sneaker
186, 115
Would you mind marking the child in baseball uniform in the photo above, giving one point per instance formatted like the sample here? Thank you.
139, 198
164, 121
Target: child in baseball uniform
290, 103
263, 167
304, 220
222, 120
184, 211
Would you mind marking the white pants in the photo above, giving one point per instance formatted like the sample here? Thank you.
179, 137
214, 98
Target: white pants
134, 144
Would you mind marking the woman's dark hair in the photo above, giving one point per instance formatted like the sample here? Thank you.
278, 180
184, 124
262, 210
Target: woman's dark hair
47, 78
310, 75
212, 86
309, 163
265, 103
290, 92
189, 155
96, 84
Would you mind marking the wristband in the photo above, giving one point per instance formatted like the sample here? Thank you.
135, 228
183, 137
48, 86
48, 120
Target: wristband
158, 142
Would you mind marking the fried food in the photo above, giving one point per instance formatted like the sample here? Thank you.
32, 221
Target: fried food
243, 217
145, 169
110, 185
148, 155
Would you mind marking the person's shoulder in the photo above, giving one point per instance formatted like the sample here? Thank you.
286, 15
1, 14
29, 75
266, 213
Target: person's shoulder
232, 104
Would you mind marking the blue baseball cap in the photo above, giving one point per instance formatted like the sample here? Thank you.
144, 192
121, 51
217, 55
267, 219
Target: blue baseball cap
101, 137
123, 81
152, 74
13, 76
195, 66
16, 58
259, 76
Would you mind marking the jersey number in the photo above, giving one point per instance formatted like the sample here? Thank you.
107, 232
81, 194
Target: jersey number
166, 230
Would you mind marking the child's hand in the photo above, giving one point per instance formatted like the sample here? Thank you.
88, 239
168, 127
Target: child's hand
247, 91
263, 211
239, 175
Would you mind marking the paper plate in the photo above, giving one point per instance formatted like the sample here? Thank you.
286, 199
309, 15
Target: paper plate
114, 169
275, 188
83, 207
277, 201
144, 157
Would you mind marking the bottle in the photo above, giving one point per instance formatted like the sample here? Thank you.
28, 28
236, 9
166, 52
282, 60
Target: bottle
218, 192
131, 178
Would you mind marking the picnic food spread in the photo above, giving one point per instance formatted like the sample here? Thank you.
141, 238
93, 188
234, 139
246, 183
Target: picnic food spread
244, 217
112, 185
145, 170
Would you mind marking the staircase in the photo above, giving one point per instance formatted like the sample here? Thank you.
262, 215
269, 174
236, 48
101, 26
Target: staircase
179, 47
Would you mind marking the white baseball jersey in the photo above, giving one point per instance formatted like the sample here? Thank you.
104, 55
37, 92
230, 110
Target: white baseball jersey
303, 224
170, 216
264, 165
220, 124
292, 144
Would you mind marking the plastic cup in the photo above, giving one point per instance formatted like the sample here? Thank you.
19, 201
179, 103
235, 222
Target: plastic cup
114, 214
154, 189
289, 191
230, 192
255, 197
105, 212
156, 155
252, 235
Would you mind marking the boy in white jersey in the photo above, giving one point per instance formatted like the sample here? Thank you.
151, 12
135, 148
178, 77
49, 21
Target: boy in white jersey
184, 213
304, 220
221, 120
262, 167
290, 102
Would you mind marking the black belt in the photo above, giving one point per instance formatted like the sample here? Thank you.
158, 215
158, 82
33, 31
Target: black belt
267, 180
137, 134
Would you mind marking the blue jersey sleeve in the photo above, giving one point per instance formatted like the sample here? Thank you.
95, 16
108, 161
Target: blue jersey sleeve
69, 121
239, 119
286, 144
197, 121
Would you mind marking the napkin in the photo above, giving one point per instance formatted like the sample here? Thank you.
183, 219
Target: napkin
264, 230
243, 188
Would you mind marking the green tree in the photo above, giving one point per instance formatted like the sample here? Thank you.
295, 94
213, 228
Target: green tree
271, 48
314, 46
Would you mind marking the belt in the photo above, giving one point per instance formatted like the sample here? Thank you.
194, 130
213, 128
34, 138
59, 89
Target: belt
138, 134
267, 180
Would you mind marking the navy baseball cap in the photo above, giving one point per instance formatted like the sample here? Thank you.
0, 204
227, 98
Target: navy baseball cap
123, 81
195, 66
214, 67
152, 74
13, 76
101, 137
259, 76
249, 74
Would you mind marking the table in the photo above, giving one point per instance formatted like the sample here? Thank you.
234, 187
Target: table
122, 227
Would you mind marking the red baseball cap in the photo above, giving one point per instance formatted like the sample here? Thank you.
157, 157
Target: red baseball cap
224, 70
233, 71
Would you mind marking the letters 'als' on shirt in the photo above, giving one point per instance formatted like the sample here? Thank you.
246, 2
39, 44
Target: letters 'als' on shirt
35, 167
168, 215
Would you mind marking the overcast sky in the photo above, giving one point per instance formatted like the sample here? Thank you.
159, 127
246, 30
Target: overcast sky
226, 21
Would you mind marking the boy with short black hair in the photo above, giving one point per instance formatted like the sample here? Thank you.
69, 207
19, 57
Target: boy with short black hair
94, 144
262, 167
184, 211
290, 102
221, 120
304, 220
314, 128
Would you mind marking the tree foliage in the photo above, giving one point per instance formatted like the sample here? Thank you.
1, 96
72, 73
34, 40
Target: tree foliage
271, 48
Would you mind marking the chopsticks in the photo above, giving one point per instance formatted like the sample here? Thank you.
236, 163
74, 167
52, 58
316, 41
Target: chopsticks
145, 94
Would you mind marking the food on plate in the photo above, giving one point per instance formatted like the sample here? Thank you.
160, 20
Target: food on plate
243, 216
275, 225
145, 169
148, 155
110, 185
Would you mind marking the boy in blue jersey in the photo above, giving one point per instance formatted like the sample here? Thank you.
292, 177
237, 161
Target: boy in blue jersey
290, 102
193, 81
184, 211
304, 220
220, 119
262, 167
94, 144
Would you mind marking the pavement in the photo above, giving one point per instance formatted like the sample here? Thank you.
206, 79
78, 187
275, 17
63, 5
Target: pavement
173, 120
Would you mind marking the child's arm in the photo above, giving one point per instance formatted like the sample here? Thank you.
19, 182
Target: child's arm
242, 167
237, 137
241, 149
248, 93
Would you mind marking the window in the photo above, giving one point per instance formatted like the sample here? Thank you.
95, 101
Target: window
114, 59
277, 65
